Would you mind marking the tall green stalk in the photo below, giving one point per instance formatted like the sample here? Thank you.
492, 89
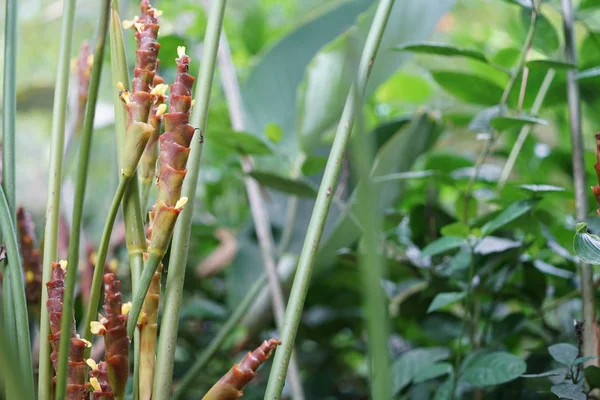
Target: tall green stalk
181, 237
10, 377
54, 183
588, 291
80, 184
322, 204
9, 104
17, 289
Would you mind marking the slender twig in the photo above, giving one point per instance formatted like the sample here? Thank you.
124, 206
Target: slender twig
322, 204
9, 104
580, 182
17, 289
524, 133
181, 237
258, 208
54, 183
82, 174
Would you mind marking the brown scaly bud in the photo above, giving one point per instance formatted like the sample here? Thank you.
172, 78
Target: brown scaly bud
77, 387
99, 381
174, 152
230, 386
32, 263
114, 328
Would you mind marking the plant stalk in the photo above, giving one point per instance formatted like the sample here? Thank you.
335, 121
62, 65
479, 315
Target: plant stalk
9, 105
80, 185
54, 184
322, 204
580, 183
181, 237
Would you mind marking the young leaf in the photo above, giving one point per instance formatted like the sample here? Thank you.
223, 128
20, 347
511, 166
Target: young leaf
469, 88
592, 376
511, 213
569, 391
586, 245
444, 299
456, 229
283, 184
442, 245
503, 123
564, 353
442, 49
273, 133
492, 369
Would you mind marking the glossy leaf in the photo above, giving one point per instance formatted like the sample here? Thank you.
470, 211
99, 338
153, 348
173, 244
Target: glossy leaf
284, 184
492, 369
441, 49
442, 245
442, 300
569, 391
511, 213
469, 88
586, 245
564, 353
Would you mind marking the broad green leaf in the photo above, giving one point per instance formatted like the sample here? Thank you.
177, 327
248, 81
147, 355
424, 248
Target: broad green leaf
469, 88
441, 49
569, 391
273, 133
592, 376
269, 93
542, 188
546, 38
413, 363
586, 245
548, 63
313, 165
456, 229
434, 371
405, 87
492, 369
442, 300
444, 391
564, 353
503, 123
511, 213
589, 73
442, 245
242, 142
284, 184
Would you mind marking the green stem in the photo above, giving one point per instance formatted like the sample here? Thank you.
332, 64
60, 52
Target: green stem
192, 374
9, 317
150, 267
371, 265
54, 183
9, 377
17, 289
181, 237
80, 185
9, 109
97, 279
322, 204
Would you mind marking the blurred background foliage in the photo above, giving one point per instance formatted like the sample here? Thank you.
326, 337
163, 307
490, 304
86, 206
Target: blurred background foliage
294, 60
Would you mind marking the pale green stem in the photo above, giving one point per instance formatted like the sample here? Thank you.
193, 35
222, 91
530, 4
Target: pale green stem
322, 204
150, 266
215, 344
181, 237
17, 291
80, 185
54, 183
9, 377
9, 105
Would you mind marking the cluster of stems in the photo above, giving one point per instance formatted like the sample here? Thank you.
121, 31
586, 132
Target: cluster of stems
31, 258
230, 386
77, 387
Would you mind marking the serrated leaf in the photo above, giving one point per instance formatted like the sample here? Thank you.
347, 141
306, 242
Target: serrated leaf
569, 391
444, 299
442, 245
588, 73
586, 245
503, 123
284, 184
592, 376
469, 88
434, 371
242, 142
511, 213
441, 49
492, 369
564, 353
548, 63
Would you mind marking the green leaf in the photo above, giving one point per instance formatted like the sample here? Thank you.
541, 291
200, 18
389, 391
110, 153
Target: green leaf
592, 376
548, 63
488, 369
168, 48
511, 213
542, 188
445, 299
273, 132
442, 245
569, 391
413, 363
444, 391
546, 39
588, 73
441, 49
586, 245
313, 165
434, 371
581, 360
242, 142
469, 88
456, 229
491, 244
505, 122
403, 176
284, 184
564, 353
557, 372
